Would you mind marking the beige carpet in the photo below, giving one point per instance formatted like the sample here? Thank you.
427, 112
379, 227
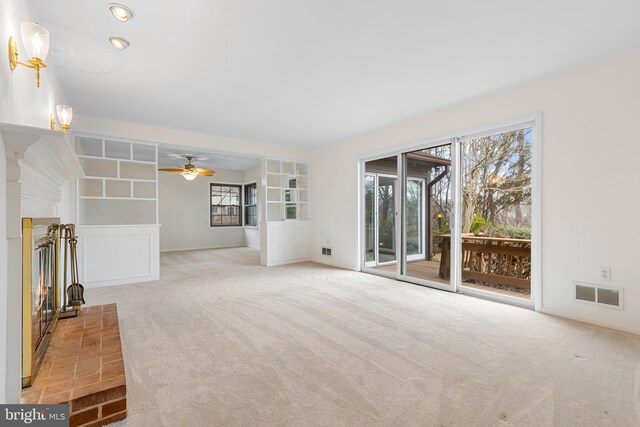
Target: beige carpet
222, 341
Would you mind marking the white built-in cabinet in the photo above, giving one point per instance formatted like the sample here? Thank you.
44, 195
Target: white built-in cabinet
284, 235
117, 211
120, 184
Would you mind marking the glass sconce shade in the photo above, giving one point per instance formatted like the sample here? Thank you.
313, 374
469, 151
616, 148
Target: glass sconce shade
65, 114
35, 39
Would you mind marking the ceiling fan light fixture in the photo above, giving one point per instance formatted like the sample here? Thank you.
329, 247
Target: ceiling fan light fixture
189, 171
119, 43
120, 12
189, 175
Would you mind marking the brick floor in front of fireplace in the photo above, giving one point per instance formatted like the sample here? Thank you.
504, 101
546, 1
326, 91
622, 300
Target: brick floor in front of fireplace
85, 368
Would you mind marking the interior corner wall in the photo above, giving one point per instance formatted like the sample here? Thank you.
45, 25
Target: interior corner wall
184, 213
21, 102
3, 275
589, 179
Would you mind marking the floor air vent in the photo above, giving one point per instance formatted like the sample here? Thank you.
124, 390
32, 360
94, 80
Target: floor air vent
607, 296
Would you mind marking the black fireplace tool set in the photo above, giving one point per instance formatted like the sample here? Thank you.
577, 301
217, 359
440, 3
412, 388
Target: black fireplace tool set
74, 292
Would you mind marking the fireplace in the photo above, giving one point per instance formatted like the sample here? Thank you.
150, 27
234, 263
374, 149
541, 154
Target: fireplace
40, 291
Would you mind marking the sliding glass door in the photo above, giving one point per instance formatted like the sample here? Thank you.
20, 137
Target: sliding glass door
386, 241
458, 215
427, 206
380, 188
381, 191
496, 215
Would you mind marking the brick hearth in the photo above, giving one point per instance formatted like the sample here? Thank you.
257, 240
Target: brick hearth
84, 367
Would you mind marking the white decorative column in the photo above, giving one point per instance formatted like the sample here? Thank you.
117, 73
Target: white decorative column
15, 149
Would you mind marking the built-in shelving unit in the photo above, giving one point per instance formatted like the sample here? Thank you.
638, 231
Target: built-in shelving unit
120, 184
284, 238
287, 190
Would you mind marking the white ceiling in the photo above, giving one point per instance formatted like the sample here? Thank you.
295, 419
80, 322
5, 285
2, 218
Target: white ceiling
309, 72
175, 155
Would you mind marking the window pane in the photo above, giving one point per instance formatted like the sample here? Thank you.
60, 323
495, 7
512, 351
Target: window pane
291, 211
226, 207
250, 202
251, 216
250, 192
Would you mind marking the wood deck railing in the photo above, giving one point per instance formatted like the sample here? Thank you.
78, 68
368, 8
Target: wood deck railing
490, 260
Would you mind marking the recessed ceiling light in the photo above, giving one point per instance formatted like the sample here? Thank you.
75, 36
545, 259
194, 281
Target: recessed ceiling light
119, 43
120, 12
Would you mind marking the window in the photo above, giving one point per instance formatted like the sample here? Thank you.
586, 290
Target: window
226, 205
251, 205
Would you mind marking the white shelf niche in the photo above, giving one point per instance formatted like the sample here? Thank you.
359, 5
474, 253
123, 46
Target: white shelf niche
287, 190
121, 182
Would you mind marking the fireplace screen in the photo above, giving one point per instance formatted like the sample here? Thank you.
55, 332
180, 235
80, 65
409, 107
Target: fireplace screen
40, 297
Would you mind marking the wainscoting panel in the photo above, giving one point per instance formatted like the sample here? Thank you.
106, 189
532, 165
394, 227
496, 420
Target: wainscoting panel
286, 242
115, 255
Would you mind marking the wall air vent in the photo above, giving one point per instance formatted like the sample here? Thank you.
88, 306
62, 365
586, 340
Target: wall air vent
609, 297
605, 296
585, 293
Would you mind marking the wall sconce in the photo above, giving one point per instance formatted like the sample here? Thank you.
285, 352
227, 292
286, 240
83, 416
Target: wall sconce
36, 42
65, 114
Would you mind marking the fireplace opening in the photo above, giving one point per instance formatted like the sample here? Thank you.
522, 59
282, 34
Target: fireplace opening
40, 291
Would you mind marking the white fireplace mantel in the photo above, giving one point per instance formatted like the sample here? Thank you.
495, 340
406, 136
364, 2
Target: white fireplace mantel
39, 163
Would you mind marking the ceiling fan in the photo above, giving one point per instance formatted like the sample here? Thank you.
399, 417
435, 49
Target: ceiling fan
189, 171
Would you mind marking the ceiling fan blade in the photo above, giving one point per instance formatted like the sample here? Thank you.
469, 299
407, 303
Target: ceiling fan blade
171, 169
205, 171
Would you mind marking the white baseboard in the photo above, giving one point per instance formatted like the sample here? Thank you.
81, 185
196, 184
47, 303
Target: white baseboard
288, 261
127, 281
330, 262
590, 321
203, 247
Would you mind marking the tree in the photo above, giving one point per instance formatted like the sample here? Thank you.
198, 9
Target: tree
496, 177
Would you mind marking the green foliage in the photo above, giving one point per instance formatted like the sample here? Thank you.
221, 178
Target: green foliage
478, 224
444, 227
386, 232
510, 231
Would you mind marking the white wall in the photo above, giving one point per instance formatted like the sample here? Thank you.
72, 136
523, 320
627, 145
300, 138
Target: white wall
184, 213
590, 181
20, 103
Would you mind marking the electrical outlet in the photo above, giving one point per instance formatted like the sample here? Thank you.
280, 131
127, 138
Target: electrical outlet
605, 273
324, 251
329, 251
